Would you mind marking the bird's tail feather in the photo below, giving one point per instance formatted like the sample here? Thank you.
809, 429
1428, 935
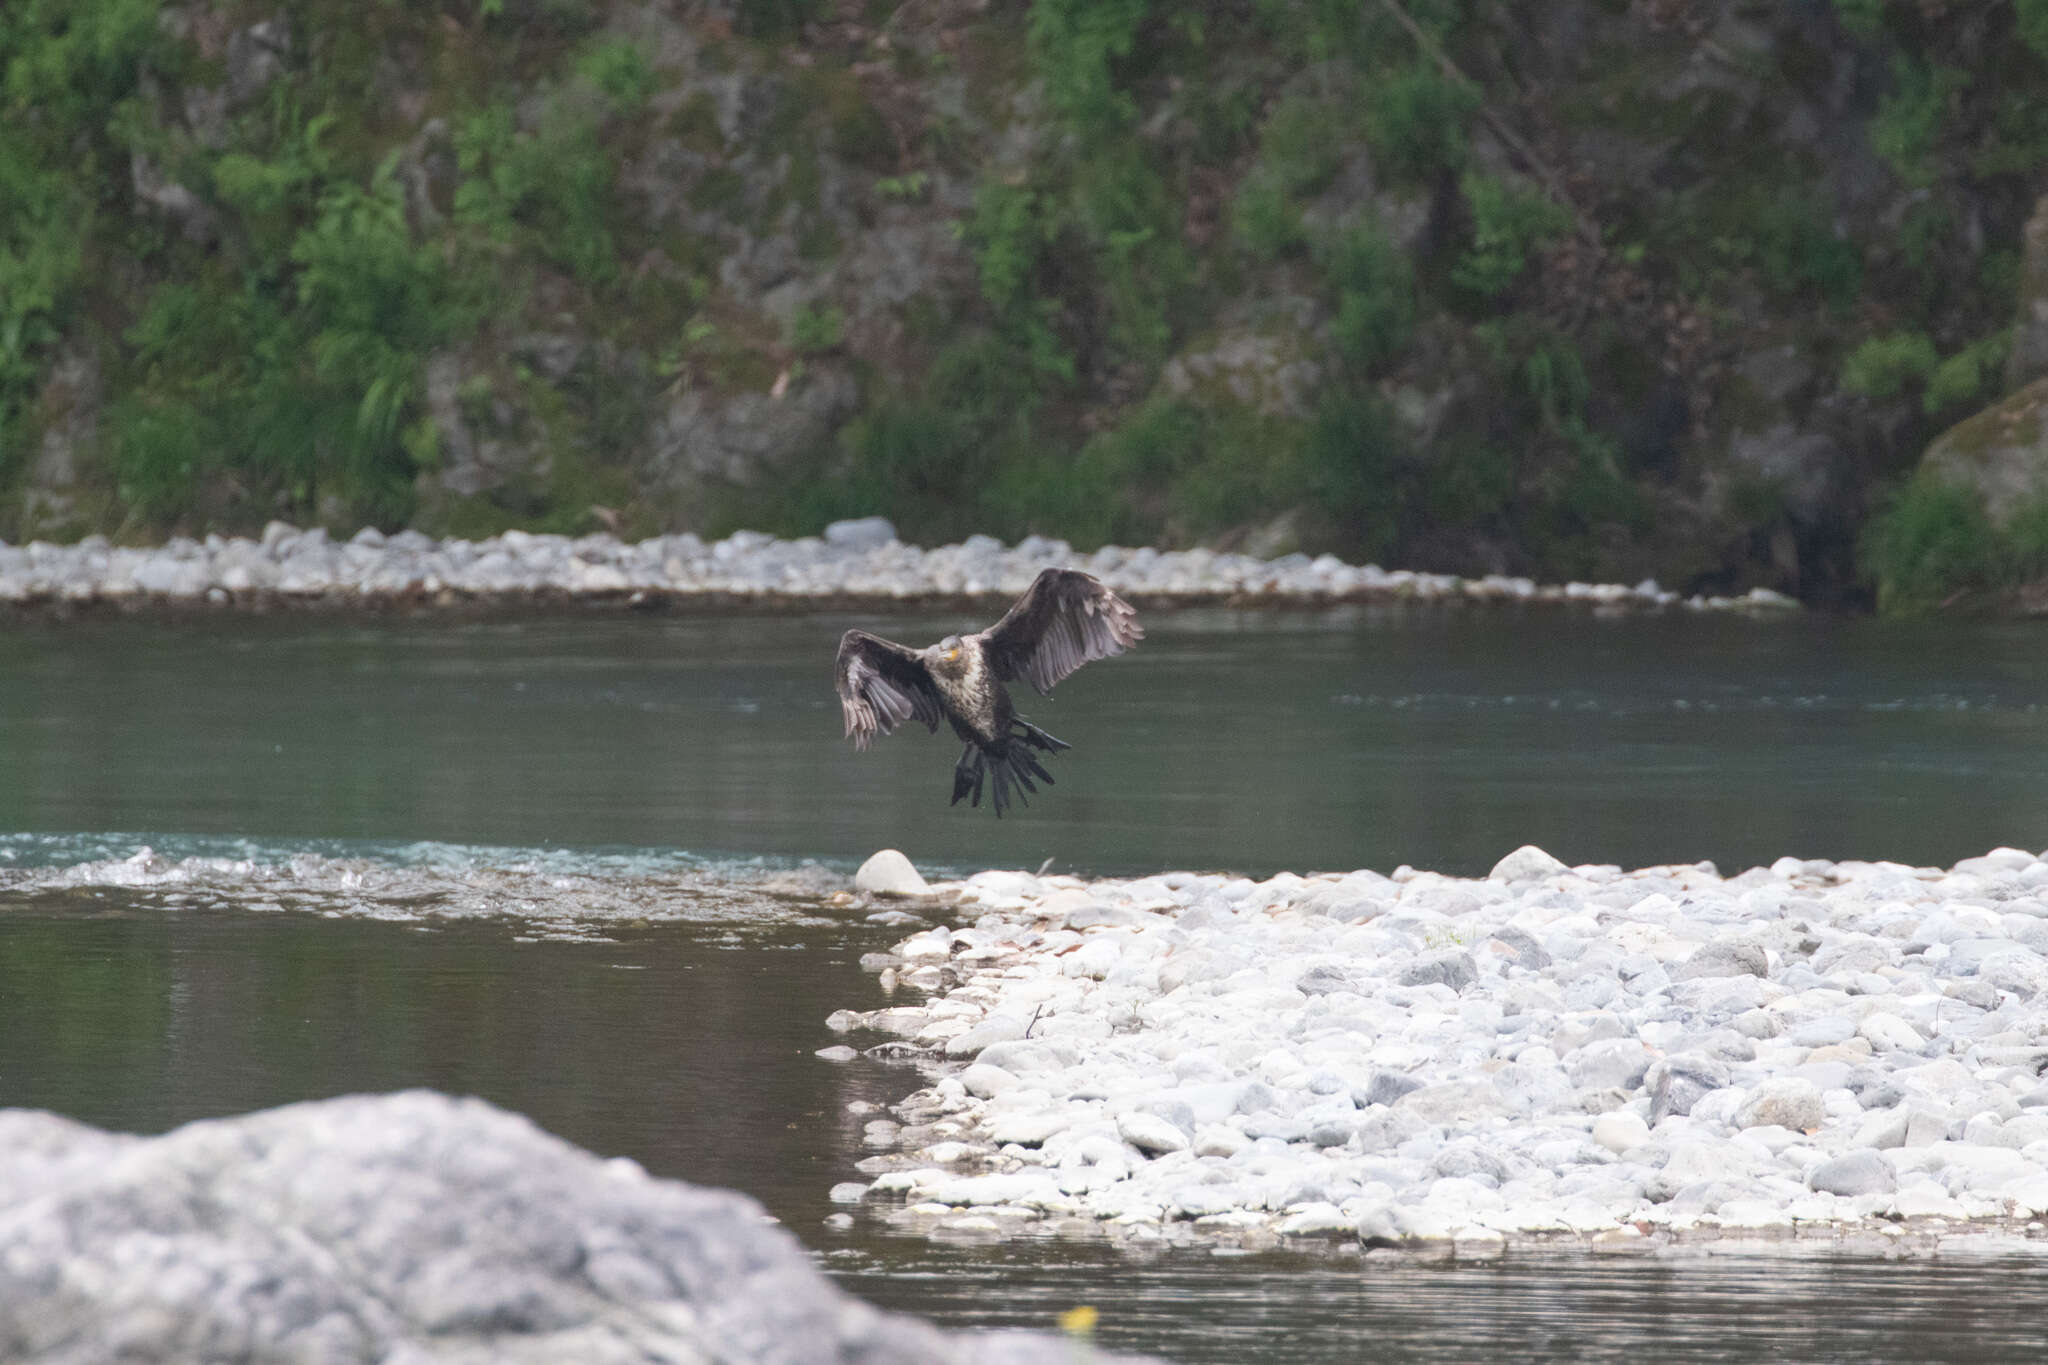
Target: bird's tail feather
1014, 767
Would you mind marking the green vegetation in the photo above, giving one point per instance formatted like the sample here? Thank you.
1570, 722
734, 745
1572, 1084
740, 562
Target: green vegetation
1933, 545
1374, 286
1910, 119
1930, 545
548, 191
296, 276
1799, 253
1883, 367
1077, 45
817, 328
1416, 121
1275, 272
66, 70
2032, 22
1508, 225
1967, 377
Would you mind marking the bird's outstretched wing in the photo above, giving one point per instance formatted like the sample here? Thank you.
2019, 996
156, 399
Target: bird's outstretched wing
881, 685
1066, 618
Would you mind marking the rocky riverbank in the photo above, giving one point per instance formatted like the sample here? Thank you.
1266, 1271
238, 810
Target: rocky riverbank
1847, 1055
854, 562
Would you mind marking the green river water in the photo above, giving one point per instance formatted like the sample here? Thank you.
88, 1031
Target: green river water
562, 863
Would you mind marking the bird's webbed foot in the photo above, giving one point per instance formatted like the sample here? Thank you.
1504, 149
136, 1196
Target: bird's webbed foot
1039, 739
968, 774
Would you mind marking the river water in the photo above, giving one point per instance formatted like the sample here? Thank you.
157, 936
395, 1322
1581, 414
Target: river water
579, 866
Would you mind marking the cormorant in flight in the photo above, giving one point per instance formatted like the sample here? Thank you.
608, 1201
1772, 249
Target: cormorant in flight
1064, 619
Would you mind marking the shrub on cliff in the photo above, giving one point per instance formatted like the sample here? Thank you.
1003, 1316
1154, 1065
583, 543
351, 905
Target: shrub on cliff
1931, 544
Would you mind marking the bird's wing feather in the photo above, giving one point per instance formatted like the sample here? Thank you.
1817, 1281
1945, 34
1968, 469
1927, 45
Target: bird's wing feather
881, 685
1066, 618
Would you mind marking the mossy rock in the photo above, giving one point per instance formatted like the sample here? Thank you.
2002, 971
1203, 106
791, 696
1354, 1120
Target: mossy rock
2000, 453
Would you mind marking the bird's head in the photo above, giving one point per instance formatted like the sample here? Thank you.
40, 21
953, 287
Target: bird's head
947, 656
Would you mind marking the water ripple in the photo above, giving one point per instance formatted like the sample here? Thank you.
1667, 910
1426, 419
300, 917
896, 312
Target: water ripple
1732, 701
562, 892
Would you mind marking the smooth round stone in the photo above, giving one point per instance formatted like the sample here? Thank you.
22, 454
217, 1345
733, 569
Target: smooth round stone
860, 533
1888, 1033
1527, 863
1030, 1129
999, 1028
1332, 1132
1620, 1131
1758, 1023
889, 873
848, 1192
839, 1052
1823, 1032
1612, 1062
1783, 1101
986, 1081
1724, 959
1854, 1174
1150, 1133
1327, 1083
1454, 969
1220, 1142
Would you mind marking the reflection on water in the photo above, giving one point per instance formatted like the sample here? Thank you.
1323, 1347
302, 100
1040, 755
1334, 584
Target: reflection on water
1722, 1308
686, 1046
1239, 741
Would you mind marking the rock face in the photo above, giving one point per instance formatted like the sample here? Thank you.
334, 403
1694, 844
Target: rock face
69, 405
2028, 358
413, 1226
1273, 370
745, 437
2000, 453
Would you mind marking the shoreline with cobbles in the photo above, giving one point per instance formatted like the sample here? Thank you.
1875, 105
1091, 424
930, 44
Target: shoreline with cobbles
1836, 1057
854, 565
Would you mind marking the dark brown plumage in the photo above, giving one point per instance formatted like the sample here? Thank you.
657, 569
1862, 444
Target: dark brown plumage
1064, 619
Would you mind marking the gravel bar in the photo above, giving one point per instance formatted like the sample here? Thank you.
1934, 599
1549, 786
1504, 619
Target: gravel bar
1836, 1056
854, 563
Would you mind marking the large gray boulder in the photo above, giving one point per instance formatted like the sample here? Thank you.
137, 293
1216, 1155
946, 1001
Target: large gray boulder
409, 1227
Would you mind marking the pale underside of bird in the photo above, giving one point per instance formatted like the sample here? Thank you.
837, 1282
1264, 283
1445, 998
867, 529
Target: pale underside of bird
1066, 618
